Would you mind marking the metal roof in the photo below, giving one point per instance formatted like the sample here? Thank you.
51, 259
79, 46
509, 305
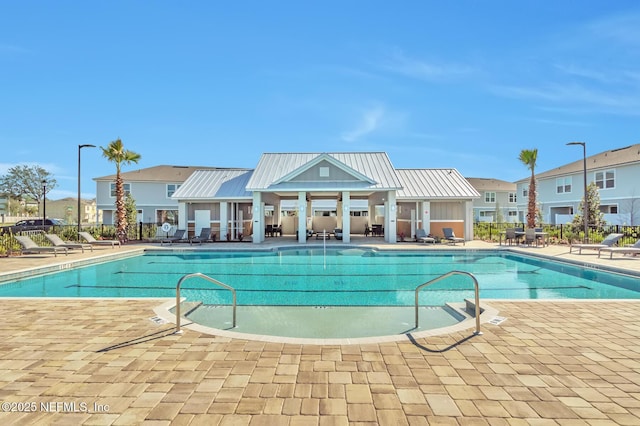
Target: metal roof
215, 184
434, 183
374, 169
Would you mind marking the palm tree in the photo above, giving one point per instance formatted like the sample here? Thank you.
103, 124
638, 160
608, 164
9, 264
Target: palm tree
529, 158
116, 153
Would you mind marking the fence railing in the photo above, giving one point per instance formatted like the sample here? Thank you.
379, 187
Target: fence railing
486, 231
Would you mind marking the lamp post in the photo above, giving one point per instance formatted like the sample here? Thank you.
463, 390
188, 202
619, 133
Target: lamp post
44, 203
79, 205
586, 193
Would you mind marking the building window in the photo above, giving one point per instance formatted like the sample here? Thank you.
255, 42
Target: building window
606, 179
324, 172
611, 209
512, 213
563, 185
126, 186
167, 216
171, 188
489, 197
525, 191
513, 197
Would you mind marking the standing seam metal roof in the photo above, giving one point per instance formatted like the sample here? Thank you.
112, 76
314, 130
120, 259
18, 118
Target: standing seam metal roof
274, 166
212, 184
434, 183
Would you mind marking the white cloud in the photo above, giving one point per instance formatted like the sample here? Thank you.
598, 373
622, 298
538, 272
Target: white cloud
368, 123
400, 63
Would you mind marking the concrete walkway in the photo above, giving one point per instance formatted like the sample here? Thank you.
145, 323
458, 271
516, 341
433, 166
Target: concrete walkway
100, 362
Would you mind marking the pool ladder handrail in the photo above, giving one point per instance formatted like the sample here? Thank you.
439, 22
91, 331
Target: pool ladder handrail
211, 280
448, 274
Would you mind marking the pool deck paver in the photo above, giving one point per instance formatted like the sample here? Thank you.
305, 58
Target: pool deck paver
88, 362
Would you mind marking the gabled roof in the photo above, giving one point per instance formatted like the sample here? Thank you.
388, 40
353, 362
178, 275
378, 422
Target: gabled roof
489, 184
215, 184
163, 173
373, 170
434, 183
615, 157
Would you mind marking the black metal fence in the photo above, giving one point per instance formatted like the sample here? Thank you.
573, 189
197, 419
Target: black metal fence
557, 234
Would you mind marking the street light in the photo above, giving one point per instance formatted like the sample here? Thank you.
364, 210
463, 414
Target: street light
44, 203
79, 216
586, 193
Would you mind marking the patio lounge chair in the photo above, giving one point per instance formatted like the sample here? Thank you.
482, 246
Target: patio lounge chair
450, 236
204, 237
30, 246
337, 233
422, 237
323, 235
58, 242
176, 238
89, 239
609, 241
633, 249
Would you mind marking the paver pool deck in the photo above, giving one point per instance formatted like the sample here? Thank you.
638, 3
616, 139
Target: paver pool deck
90, 362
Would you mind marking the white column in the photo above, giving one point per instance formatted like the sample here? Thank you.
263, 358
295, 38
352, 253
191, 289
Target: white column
302, 217
182, 216
346, 217
468, 220
390, 218
426, 216
258, 218
224, 220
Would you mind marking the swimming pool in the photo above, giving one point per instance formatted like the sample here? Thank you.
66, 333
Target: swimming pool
336, 278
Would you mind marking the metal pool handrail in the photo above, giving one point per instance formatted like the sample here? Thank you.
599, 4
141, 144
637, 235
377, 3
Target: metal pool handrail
203, 276
448, 274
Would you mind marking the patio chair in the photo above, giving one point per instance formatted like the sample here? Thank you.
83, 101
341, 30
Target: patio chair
510, 236
89, 239
422, 237
530, 236
609, 241
176, 238
633, 249
30, 246
323, 235
450, 236
58, 242
337, 233
204, 237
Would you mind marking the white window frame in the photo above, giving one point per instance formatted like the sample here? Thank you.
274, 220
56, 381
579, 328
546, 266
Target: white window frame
601, 182
564, 185
489, 197
112, 189
525, 191
513, 197
175, 188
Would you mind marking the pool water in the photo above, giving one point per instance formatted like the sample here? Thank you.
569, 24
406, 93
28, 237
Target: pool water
347, 292
342, 277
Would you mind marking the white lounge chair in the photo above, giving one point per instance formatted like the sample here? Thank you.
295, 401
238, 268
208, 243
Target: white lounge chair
450, 236
89, 239
58, 242
30, 246
422, 237
609, 241
633, 249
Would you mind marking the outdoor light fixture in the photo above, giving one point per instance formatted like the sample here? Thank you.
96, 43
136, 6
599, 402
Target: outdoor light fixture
79, 205
586, 201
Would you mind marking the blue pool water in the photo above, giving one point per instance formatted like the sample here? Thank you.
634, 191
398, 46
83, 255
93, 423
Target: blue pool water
344, 277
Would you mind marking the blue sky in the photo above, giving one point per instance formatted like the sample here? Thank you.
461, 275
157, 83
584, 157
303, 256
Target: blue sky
462, 84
